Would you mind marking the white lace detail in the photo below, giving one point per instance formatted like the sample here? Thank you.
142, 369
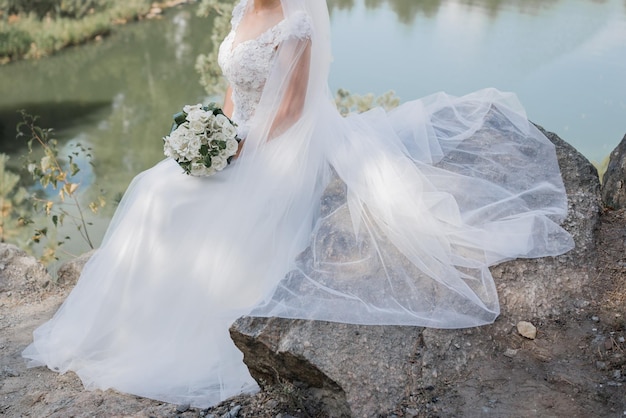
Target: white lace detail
247, 65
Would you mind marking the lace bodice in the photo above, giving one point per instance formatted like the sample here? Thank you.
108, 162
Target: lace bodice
247, 65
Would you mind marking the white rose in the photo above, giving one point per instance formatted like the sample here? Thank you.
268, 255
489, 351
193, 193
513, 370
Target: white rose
190, 108
218, 136
194, 145
220, 121
189, 152
229, 130
181, 130
218, 163
168, 150
31, 168
196, 126
204, 116
231, 146
198, 115
178, 143
209, 171
198, 169
189, 135
175, 141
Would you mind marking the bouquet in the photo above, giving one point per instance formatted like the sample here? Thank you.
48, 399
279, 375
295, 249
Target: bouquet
203, 140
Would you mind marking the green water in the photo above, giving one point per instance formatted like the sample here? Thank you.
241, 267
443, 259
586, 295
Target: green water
566, 59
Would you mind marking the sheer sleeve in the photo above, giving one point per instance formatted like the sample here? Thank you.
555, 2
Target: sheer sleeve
298, 26
298, 32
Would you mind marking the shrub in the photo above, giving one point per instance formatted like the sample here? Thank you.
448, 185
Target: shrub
14, 42
55, 8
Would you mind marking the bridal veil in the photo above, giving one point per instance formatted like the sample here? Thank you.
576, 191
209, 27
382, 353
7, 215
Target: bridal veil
436, 191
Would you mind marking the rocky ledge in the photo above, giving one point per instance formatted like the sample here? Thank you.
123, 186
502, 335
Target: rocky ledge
556, 350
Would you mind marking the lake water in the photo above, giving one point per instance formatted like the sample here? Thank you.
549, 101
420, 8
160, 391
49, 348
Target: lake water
566, 60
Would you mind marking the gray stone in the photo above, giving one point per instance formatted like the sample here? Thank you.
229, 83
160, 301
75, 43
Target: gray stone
353, 370
182, 408
367, 370
614, 179
510, 352
22, 273
233, 413
69, 272
554, 285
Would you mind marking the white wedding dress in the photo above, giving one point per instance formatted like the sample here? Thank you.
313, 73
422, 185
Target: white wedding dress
431, 204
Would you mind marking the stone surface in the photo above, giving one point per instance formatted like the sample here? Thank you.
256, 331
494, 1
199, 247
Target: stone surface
20, 272
614, 179
553, 285
69, 272
354, 370
366, 371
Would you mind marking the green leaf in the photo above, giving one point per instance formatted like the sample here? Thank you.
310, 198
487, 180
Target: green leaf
74, 169
179, 118
39, 132
55, 220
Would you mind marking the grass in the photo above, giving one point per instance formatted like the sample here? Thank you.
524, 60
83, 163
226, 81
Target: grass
26, 36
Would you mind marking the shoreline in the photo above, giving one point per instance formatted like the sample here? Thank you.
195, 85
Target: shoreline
25, 42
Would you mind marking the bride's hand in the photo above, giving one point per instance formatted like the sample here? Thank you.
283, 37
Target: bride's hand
239, 148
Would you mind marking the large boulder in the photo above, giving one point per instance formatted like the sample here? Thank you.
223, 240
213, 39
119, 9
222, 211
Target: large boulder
367, 371
614, 179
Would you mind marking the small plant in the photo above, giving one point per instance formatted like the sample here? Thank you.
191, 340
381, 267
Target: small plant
58, 198
348, 103
13, 199
206, 65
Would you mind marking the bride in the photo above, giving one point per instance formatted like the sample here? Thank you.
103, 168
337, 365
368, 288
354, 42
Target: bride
436, 191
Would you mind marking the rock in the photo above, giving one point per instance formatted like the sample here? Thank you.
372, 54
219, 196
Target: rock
367, 370
510, 352
69, 272
552, 286
526, 329
233, 413
354, 370
614, 179
182, 408
9, 372
21, 273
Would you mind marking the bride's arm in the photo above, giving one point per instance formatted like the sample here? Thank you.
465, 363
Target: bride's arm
228, 108
228, 103
292, 103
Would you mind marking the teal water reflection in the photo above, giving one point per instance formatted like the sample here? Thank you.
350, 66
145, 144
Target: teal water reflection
566, 60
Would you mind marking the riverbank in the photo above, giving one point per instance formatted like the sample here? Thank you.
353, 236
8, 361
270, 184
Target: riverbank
28, 36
